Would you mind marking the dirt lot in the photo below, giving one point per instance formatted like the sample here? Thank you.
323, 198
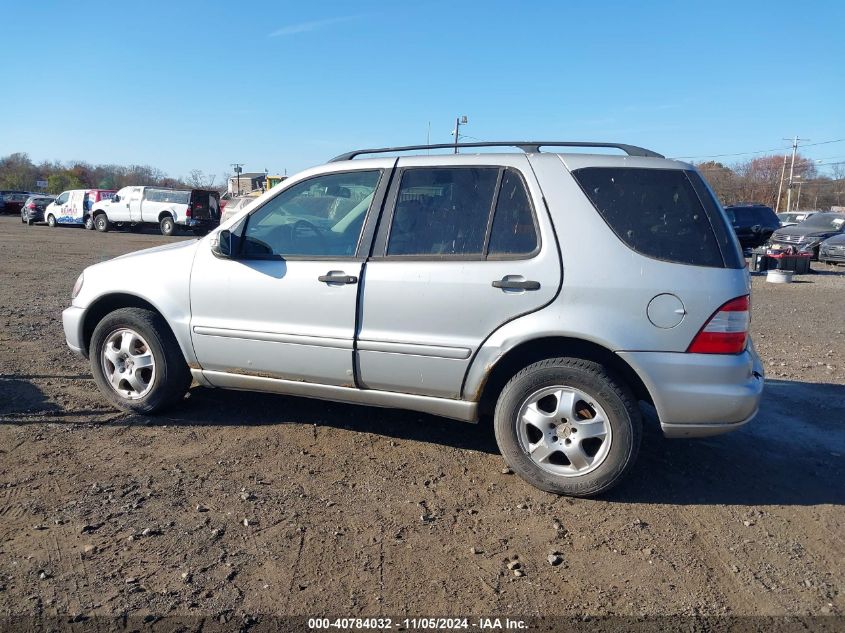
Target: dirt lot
238, 504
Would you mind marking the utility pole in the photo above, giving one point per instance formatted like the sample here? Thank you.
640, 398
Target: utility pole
792, 170
461, 120
238, 168
780, 183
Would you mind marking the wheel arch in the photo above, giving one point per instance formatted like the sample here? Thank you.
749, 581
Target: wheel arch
165, 213
532, 351
109, 303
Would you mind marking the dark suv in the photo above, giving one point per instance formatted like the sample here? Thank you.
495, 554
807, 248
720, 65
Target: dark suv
752, 223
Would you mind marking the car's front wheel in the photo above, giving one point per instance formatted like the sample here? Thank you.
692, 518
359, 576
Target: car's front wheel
51, 221
136, 361
567, 426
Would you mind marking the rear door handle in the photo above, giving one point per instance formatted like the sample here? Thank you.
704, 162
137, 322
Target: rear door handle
337, 277
516, 282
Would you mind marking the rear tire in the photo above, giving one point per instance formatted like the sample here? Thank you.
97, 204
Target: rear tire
162, 383
51, 221
101, 222
167, 226
537, 412
89, 223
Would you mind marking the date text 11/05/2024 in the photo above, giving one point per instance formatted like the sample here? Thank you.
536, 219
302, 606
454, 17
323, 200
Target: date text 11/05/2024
416, 624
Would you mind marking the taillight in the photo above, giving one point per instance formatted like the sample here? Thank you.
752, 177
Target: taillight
726, 332
189, 211
31, 205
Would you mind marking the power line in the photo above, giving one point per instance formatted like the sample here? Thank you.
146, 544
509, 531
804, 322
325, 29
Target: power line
761, 151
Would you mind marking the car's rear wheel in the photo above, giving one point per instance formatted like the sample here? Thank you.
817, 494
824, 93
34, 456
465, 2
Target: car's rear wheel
51, 221
167, 225
568, 426
136, 361
89, 223
101, 222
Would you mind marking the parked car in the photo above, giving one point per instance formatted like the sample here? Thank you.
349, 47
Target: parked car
794, 217
74, 206
439, 286
196, 209
12, 201
32, 210
752, 223
832, 250
234, 205
806, 237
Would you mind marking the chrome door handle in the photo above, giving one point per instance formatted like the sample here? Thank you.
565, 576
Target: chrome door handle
510, 282
337, 277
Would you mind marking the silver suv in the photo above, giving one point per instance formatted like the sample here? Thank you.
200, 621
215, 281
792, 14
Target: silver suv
555, 291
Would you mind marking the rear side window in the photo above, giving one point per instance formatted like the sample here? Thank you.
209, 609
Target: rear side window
463, 212
442, 211
658, 213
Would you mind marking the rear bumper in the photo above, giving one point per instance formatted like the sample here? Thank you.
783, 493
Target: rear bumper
811, 246
72, 321
697, 395
200, 223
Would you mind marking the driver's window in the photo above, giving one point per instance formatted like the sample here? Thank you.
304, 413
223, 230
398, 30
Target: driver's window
62, 198
322, 217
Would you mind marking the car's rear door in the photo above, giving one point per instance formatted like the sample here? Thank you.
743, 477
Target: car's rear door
460, 251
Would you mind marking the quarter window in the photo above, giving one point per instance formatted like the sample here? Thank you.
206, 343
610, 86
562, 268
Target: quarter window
320, 217
513, 231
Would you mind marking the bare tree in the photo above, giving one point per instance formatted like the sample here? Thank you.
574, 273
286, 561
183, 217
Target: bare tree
199, 180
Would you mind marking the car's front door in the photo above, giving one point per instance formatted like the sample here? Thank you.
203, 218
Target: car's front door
460, 251
284, 306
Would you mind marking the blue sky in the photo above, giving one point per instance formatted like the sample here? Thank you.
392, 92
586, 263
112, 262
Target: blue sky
286, 85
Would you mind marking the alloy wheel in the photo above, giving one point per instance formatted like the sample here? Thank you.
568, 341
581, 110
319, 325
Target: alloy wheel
128, 364
564, 431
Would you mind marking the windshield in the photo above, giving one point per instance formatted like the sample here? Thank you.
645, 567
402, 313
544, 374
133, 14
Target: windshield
828, 221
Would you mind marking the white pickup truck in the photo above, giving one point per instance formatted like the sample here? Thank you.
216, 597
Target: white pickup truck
196, 209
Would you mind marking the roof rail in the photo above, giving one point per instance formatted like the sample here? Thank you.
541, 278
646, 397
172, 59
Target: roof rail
525, 146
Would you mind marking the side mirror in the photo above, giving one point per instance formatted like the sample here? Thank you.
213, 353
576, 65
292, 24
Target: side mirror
222, 244
115, 198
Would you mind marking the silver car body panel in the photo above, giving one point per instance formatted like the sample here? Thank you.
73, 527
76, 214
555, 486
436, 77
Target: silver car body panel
430, 332
455, 409
423, 319
160, 276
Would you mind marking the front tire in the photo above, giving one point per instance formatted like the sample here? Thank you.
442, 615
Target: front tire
101, 222
136, 361
167, 226
51, 221
567, 426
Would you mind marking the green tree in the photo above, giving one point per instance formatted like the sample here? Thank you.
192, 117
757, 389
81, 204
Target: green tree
62, 181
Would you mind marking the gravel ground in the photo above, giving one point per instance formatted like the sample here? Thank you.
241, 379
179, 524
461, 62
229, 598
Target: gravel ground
236, 505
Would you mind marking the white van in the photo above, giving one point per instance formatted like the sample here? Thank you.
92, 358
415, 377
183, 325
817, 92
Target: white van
74, 206
196, 209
